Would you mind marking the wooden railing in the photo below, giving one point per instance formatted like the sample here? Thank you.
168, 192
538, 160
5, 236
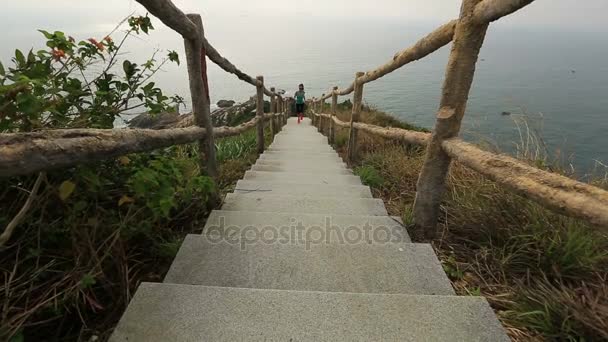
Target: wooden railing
556, 192
24, 153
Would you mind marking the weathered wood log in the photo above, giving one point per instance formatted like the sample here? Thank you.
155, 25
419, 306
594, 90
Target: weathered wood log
357, 100
559, 193
10, 228
425, 46
222, 132
172, 16
491, 10
334, 110
410, 137
340, 123
485, 12
321, 105
468, 39
24, 153
199, 93
346, 91
260, 113
400, 134
273, 109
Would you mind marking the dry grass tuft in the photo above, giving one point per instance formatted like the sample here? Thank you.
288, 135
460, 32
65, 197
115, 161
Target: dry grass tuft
544, 274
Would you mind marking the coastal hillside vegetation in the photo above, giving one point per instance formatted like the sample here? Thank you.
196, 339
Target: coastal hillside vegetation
544, 274
72, 261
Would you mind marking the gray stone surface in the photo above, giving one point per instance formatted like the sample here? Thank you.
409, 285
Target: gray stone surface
303, 163
300, 204
313, 259
311, 170
311, 158
300, 148
300, 221
170, 312
303, 178
254, 187
219, 220
301, 153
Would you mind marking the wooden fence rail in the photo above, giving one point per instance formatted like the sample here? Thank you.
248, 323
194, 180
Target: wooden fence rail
23, 153
556, 192
559, 193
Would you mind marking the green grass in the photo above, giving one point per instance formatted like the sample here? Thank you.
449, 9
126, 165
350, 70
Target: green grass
236, 147
73, 263
545, 274
369, 176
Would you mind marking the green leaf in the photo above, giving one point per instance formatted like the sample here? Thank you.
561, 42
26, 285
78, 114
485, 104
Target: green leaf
66, 189
19, 57
2, 71
174, 56
31, 58
87, 281
46, 34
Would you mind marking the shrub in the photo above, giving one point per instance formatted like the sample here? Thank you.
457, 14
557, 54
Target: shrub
369, 176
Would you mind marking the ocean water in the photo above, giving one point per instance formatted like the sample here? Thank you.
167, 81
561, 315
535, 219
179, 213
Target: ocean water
558, 79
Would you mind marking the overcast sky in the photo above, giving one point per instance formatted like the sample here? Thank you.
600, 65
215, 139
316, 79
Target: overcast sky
587, 15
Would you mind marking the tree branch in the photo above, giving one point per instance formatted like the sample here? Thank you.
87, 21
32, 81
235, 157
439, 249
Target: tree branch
10, 228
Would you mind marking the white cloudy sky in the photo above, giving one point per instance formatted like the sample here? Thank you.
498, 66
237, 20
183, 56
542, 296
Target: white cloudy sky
566, 14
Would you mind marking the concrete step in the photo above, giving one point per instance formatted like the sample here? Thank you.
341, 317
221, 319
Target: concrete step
232, 223
311, 158
313, 140
311, 170
275, 258
319, 190
290, 152
171, 312
302, 163
302, 178
299, 204
299, 149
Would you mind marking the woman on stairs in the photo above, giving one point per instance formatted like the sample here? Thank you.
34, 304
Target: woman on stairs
300, 96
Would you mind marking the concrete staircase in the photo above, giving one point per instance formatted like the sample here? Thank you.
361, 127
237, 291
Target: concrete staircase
301, 251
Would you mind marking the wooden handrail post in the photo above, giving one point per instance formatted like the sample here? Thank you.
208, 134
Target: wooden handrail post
321, 103
357, 100
273, 110
279, 105
260, 113
468, 39
199, 91
334, 109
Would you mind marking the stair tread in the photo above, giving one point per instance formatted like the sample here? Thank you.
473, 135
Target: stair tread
302, 189
336, 260
245, 219
305, 204
172, 312
299, 177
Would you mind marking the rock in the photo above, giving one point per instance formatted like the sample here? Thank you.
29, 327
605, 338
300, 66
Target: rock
227, 116
225, 103
506, 113
154, 121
